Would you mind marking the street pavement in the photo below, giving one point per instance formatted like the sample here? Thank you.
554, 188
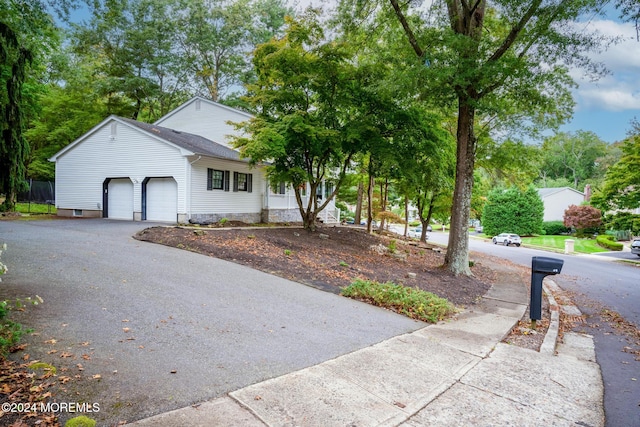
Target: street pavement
250, 349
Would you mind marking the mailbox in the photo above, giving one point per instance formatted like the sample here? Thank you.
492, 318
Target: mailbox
540, 268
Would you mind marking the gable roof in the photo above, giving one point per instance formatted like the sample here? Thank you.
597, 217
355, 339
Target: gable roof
196, 144
189, 144
208, 101
545, 192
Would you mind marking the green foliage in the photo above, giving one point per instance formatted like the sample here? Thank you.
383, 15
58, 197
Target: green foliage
623, 221
44, 366
573, 157
223, 221
393, 246
343, 264
554, 228
411, 302
607, 241
303, 126
621, 189
513, 211
80, 421
287, 252
10, 331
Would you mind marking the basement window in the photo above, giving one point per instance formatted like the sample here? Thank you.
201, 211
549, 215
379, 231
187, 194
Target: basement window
77, 212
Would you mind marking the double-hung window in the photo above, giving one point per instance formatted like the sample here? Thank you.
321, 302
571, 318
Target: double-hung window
242, 181
217, 180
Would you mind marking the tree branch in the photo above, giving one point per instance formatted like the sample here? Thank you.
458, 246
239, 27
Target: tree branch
515, 31
405, 25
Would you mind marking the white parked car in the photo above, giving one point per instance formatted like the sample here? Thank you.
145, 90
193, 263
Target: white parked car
507, 239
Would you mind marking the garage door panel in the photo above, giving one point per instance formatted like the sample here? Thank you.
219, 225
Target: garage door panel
162, 199
120, 199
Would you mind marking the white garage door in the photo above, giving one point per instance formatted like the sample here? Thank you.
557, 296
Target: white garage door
120, 199
162, 199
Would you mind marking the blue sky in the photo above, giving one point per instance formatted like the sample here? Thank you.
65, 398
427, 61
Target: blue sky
608, 105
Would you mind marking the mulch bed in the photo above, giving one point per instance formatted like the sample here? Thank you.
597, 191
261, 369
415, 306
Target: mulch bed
331, 257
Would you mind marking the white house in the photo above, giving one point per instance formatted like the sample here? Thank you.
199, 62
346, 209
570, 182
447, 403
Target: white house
179, 169
557, 200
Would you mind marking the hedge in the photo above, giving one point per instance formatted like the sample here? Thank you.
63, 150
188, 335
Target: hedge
607, 242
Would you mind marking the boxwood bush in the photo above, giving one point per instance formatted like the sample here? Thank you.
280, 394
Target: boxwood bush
607, 241
555, 228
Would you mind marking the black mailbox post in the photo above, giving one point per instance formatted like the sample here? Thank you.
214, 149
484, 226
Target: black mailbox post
540, 268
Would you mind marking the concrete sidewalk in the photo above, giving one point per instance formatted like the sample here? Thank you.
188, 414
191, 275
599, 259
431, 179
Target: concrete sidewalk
453, 373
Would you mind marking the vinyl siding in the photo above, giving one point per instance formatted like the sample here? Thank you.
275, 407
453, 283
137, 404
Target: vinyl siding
205, 201
210, 121
81, 171
555, 204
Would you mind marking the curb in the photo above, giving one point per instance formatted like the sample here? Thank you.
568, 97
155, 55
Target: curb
551, 338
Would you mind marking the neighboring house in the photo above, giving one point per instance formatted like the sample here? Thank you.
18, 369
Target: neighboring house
179, 169
557, 200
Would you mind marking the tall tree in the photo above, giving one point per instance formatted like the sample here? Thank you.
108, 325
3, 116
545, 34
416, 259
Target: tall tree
573, 156
621, 189
301, 126
502, 58
217, 37
26, 32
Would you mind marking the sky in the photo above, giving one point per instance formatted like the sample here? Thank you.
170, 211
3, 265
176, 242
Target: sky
605, 107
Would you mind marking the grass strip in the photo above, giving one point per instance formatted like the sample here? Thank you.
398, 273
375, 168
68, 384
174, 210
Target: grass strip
411, 302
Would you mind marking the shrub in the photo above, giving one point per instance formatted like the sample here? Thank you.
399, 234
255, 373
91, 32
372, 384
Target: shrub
513, 211
606, 241
585, 219
554, 228
81, 421
412, 302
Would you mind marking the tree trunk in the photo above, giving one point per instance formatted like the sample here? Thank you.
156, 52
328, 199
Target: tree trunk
358, 213
457, 257
406, 215
384, 190
370, 202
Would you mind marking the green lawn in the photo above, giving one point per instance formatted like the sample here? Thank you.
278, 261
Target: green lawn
585, 246
35, 208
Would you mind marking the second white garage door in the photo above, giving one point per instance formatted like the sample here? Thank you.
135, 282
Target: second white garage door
162, 199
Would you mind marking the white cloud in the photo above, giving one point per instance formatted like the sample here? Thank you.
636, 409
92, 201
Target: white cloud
619, 91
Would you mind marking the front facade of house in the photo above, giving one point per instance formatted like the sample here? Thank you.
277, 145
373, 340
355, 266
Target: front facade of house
124, 169
557, 200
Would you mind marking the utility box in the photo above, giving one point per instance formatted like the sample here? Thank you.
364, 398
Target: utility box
568, 246
540, 268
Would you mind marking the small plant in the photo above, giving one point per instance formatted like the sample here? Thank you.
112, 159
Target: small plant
392, 246
343, 264
287, 252
251, 236
81, 421
412, 302
44, 366
223, 221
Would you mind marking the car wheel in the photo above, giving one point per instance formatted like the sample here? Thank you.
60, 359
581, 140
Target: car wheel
495, 242
506, 243
518, 245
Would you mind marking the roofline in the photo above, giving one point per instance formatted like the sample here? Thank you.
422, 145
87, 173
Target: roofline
186, 103
558, 189
115, 118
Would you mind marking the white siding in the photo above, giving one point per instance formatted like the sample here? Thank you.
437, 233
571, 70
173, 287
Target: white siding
205, 201
555, 204
209, 121
81, 171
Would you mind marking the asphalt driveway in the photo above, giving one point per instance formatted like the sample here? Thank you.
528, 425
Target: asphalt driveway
165, 328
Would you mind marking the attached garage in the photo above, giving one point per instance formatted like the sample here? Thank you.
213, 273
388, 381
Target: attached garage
160, 199
119, 198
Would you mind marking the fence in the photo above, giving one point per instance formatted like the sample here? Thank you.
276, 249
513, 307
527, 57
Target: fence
41, 192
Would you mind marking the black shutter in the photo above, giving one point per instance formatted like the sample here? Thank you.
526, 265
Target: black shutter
209, 179
249, 182
235, 181
226, 180
283, 188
